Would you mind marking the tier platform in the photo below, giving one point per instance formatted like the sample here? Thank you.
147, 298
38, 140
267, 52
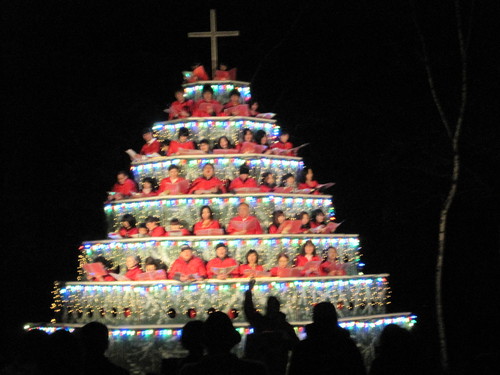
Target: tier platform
224, 206
267, 245
221, 89
141, 348
226, 166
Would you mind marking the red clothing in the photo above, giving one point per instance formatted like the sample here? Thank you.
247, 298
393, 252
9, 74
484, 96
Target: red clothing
164, 184
273, 229
177, 107
244, 267
127, 232
301, 260
222, 75
192, 266
176, 145
152, 193
284, 146
275, 271
252, 220
214, 224
311, 185
201, 108
158, 231
335, 268
151, 148
240, 144
132, 273
184, 232
201, 183
239, 183
221, 263
265, 188
126, 189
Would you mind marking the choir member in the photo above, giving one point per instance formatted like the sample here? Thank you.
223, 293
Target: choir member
128, 226
176, 229
222, 74
198, 73
222, 260
153, 264
207, 105
149, 188
152, 145
246, 136
123, 188
243, 180
133, 264
181, 108
307, 181
288, 183
283, 144
331, 266
223, 143
283, 264
252, 264
278, 219
234, 107
254, 107
262, 140
206, 220
166, 187
318, 222
142, 230
187, 267
244, 223
154, 227
306, 222
164, 146
207, 183
308, 254
182, 142
108, 266
204, 145
268, 182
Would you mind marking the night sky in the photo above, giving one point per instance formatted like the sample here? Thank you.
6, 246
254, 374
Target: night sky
85, 77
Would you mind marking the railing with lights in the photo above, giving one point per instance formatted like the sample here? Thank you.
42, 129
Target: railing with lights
221, 89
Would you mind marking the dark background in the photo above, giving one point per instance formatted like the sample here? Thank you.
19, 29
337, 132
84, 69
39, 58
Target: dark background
84, 77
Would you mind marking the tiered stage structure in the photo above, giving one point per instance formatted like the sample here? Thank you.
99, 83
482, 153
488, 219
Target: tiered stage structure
146, 318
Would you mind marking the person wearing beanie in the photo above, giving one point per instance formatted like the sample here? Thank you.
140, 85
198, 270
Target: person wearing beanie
187, 267
243, 180
222, 260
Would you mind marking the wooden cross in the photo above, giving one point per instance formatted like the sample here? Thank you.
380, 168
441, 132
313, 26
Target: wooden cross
213, 34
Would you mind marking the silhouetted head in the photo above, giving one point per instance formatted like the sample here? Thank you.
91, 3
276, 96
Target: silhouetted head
219, 334
324, 314
192, 336
273, 305
94, 337
394, 339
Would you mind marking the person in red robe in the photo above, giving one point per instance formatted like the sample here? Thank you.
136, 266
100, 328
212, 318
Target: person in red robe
283, 144
133, 264
128, 228
207, 106
246, 136
307, 181
149, 188
332, 266
283, 264
176, 229
182, 142
235, 107
181, 107
262, 140
152, 145
253, 108
244, 223
123, 188
318, 222
206, 220
268, 182
108, 266
222, 260
187, 267
306, 222
278, 219
166, 187
308, 254
198, 73
154, 227
207, 183
243, 180
288, 184
204, 146
223, 144
251, 265
222, 74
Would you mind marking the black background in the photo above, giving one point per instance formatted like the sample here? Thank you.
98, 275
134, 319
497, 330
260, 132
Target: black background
84, 77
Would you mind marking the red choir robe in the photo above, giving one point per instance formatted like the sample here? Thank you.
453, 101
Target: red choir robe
239, 183
244, 267
164, 185
177, 107
284, 146
315, 224
151, 147
176, 145
238, 109
255, 227
222, 75
311, 185
126, 189
158, 231
183, 232
201, 108
335, 268
152, 193
201, 183
301, 260
222, 263
273, 229
214, 224
192, 266
132, 273
127, 233
265, 188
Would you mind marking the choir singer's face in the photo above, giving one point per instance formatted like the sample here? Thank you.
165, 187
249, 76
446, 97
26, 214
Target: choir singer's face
208, 171
173, 173
282, 262
221, 252
186, 254
243, 210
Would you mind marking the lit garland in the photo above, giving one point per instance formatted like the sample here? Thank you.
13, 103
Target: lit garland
226, 167
186, 208
149, 302
268, 246
212, 128
221, 90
